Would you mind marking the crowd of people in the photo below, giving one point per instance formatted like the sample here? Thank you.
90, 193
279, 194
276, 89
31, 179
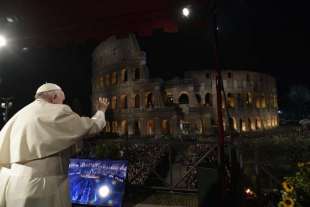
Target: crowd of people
142, 158
191, 156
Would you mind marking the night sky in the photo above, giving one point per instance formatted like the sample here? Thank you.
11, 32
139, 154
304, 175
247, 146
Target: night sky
264, 36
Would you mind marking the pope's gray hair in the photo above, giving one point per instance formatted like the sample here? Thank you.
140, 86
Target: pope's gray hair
47, 94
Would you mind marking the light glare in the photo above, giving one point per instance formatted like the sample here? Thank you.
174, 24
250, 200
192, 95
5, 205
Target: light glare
104, 191
2, 41
10, 20
186, 12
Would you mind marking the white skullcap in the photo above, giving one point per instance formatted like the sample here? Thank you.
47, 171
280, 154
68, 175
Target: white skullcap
48, 87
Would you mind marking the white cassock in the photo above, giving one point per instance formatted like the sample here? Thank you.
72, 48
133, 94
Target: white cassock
34, 153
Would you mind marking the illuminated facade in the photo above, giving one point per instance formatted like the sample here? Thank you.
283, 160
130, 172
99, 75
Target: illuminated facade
140, 106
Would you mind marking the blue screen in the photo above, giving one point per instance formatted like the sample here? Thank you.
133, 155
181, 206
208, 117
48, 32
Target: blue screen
97, 182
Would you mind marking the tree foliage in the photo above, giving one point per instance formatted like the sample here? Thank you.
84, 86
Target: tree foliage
299, 98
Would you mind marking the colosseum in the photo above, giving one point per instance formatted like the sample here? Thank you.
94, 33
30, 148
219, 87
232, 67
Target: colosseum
141, 106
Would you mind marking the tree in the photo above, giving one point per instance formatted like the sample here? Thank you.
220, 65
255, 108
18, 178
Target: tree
299, 97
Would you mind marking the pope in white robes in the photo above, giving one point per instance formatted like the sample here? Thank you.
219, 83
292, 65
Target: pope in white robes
35, 147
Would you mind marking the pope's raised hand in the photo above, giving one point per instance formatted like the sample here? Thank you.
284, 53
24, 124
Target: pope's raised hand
102, 104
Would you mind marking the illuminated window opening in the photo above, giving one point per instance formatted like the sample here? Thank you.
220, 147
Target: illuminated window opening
124, 75
263, 102
150, 127
243, 124
269, 122
258, 103
248, 98
235, 126
113, 78
113, 102
230, 100
124, 127
124, 102
258, 123
253, 125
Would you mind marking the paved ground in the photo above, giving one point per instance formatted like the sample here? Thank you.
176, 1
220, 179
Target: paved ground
166, 199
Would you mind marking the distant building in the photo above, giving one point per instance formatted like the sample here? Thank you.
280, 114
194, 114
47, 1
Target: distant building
142, 106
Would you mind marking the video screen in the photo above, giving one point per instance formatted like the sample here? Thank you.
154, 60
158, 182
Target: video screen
97, 182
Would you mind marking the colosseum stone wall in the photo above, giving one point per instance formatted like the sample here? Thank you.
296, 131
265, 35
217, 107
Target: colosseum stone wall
141, 106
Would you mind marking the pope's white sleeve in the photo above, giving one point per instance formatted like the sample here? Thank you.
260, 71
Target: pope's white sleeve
99, 119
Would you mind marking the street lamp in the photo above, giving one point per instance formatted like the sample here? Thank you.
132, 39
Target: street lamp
2, 41
186, 11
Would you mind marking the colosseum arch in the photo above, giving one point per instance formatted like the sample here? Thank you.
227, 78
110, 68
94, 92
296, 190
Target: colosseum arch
137, 101
149, 100
269, 121
136, 128
113, 102
198, 97
113, 78
169, 98
273, 121
263, 101
252, 124
114, 127
234, 123
208, 99
124, 127
198, 127
107, 127
165, 127
248, 124
276, 119
258, 102
230, 100
107, 80
242, 125
264, 120
248, 98
124, 102
124, 75
183, 98
258, 123
137, 74
150, 127
101, 82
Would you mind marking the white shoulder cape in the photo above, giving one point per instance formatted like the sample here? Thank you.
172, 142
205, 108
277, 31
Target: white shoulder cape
41, 129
